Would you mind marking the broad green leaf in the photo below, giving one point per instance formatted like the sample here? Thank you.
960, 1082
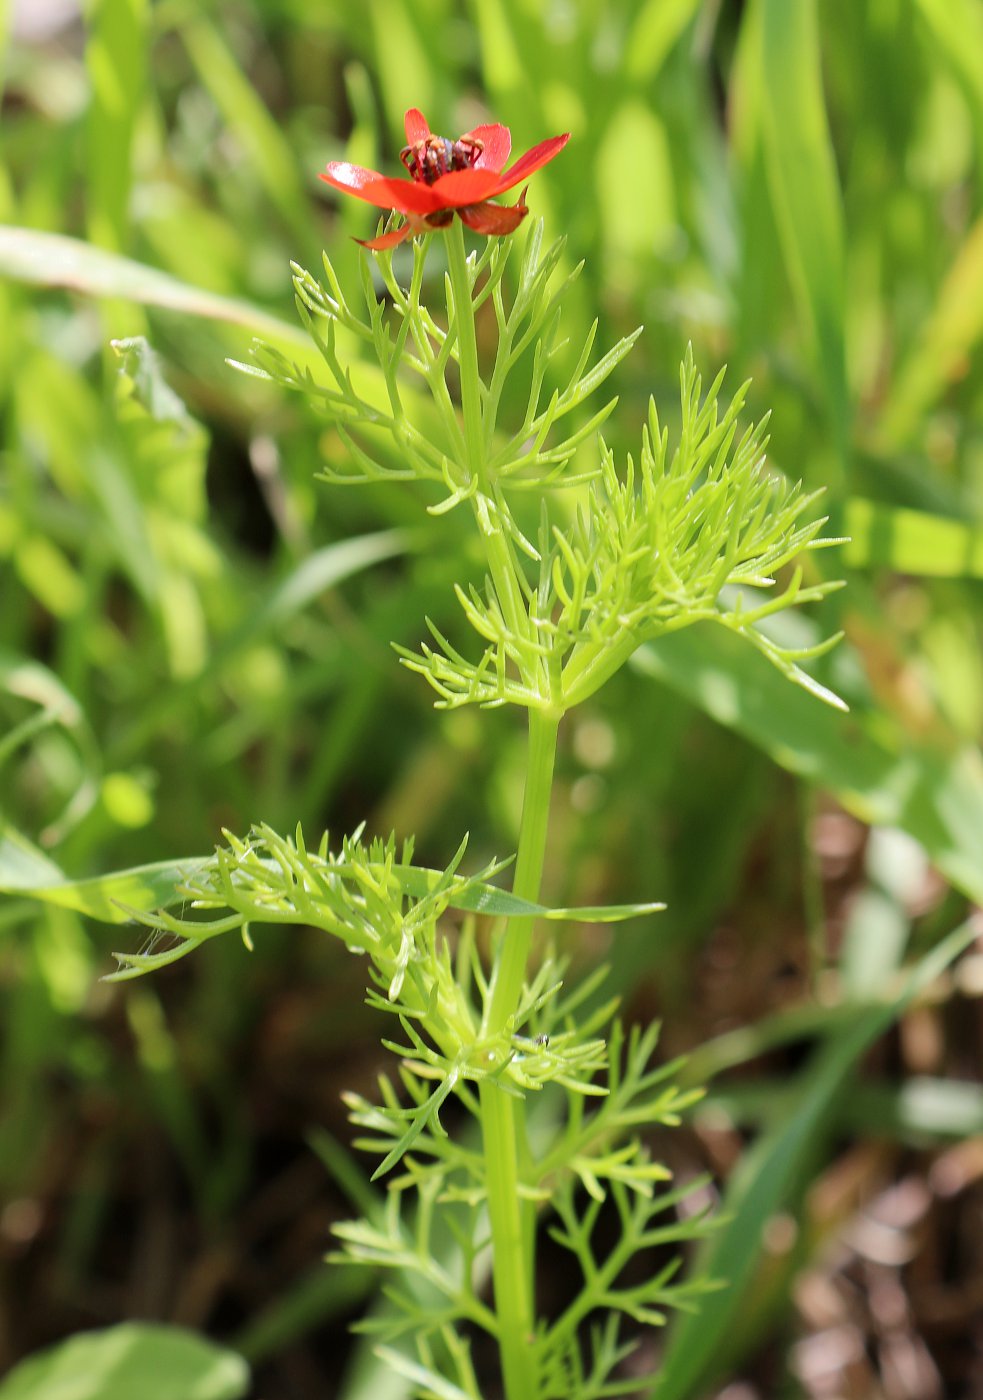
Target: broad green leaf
911, 541
876, 771
768, 1175
804, 187
135, 1361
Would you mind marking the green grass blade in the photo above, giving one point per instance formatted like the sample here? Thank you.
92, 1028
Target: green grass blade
25, 871
503, 66
805, 190
253, 126
115, 58
768, 1176
656, 30
54, 260
29, 680
4, 42
759, 286
955, 28
938, 358
408, 76
911, 541
318, 1297
313, 576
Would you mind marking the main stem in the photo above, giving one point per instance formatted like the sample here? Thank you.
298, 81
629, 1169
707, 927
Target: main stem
516, 942
502, 1115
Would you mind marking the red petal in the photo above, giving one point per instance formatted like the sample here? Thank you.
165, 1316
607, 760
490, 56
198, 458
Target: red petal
471, 186
387, 240
532, 160
494, 219
417, 127
349, 178
497, 141
405, 196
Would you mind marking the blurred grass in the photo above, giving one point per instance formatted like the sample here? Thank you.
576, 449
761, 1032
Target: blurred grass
794, 187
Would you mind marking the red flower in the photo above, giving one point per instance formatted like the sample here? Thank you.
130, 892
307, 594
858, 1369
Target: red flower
447, 177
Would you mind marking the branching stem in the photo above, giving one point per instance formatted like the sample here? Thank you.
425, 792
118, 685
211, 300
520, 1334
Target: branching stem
498, 551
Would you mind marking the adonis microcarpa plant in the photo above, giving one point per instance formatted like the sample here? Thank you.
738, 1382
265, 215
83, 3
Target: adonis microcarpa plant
692, 530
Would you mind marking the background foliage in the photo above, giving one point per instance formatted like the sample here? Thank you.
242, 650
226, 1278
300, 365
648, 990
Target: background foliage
195, 634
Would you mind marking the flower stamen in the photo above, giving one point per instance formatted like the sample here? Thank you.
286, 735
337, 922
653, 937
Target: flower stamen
426, 160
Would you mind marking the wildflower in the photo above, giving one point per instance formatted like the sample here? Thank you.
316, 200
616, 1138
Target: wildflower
447, 178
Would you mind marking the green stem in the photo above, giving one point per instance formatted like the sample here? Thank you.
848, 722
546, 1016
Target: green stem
467, 348
502, 1129
503, 1116
494, 537
510, 968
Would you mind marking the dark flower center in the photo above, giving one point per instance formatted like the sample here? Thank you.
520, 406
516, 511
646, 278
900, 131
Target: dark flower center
434, 156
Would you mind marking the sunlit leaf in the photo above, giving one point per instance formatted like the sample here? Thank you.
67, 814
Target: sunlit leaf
54, 260
135, 1359
876, 771
25, 871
